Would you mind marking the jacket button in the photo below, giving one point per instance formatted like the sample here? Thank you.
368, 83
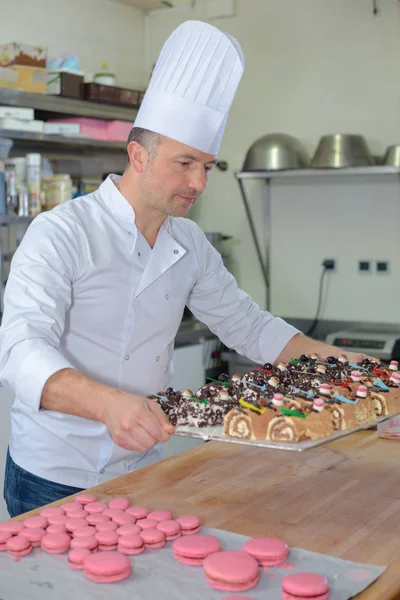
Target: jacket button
127, 357
102, 471
157, 358
176, 251
166, 296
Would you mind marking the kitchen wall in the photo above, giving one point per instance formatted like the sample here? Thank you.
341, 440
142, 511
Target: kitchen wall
95, 30
312, 67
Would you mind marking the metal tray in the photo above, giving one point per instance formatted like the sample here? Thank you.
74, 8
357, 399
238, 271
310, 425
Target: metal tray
215, 434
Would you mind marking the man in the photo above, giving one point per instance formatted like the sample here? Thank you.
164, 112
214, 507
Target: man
98, 287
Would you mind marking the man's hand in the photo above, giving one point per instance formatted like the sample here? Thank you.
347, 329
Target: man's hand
135, 422
300, 344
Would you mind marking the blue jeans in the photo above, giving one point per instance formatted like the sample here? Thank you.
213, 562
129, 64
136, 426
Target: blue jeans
24, 491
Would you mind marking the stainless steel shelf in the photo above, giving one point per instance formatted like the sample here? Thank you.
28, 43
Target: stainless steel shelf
61, 141
377, 170
66, 106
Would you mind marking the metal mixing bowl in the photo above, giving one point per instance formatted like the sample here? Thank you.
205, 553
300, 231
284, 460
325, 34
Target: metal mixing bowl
275, 152
342, 150
392, 156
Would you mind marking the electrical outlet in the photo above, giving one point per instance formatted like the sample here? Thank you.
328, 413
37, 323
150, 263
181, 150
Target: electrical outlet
329, 264
382, 267
364, 266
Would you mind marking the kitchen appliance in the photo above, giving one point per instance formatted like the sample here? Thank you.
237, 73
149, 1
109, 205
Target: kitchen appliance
392, 156
342, 150
381, 342
275, 152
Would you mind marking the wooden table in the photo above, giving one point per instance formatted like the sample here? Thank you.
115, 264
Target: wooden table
342, 498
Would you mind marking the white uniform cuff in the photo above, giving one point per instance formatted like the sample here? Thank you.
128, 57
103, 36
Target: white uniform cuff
35, 371
274, 338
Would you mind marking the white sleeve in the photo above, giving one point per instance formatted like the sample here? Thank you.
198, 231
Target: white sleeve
37, 296
230, 313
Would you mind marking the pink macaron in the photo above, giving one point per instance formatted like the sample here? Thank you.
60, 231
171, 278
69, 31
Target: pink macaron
189, 524
124, 519
305, 586
95, 507
131, 544
73, 524
147, 523
55, 543
84, 499
129, 529
34, 535
68, 506
80, 513
56, 529
76, 557
139, 512
267, 551
36, 522
57, 519
86, 541
13, 527
113, 512
153, 538
52, 510
95, 518
84, 531
160, 515
4, 537
107, 526
193, 549
18, 546
171, 528
232, 571
122, 503
107, 540
107, 567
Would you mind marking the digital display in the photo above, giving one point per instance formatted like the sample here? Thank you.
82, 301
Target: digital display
354, 343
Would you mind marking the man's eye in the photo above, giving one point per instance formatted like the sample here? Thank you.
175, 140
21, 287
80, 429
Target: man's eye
184, 164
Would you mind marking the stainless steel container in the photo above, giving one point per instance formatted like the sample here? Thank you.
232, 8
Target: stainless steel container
392, 156
276, 152
342, 150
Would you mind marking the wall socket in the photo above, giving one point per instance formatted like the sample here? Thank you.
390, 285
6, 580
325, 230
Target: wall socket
329, 264
382, 267
364, 266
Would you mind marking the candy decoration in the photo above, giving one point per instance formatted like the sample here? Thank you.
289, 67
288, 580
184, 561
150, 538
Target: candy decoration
281, 367
243, 402
342, 359
277, 400
394, 365
164, 398
216, 381
395, 378
274, 382
379, 384
295, 361
344, 399
293, 413
380, 373
325, 389
319, 404
309, 395
260, 369
261, 387
361, 391
355, 376
357, 367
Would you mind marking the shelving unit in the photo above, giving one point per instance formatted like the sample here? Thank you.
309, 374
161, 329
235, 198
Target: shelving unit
57, 147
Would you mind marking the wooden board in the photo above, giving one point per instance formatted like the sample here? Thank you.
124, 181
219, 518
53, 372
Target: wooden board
341, 499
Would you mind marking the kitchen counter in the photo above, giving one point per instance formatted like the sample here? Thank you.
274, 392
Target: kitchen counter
342, 498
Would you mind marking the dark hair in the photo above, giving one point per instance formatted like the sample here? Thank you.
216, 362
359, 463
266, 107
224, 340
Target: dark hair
146, 138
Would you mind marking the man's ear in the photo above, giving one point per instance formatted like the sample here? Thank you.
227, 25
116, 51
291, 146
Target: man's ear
138, 156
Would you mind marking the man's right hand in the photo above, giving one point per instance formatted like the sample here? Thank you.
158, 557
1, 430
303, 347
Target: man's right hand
135, 422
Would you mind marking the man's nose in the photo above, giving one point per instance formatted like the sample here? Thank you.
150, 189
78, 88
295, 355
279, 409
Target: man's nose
198, 180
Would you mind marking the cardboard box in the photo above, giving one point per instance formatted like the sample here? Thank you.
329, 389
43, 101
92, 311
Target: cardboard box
27, 79
26, 114
27, 55
52, 127
18, 125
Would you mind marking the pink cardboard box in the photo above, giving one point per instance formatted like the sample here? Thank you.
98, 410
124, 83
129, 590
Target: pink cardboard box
96, 129
118, 131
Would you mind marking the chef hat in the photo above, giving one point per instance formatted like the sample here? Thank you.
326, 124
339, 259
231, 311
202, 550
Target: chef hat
193, 85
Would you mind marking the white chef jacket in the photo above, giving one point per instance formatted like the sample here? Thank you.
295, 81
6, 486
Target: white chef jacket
79, 296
